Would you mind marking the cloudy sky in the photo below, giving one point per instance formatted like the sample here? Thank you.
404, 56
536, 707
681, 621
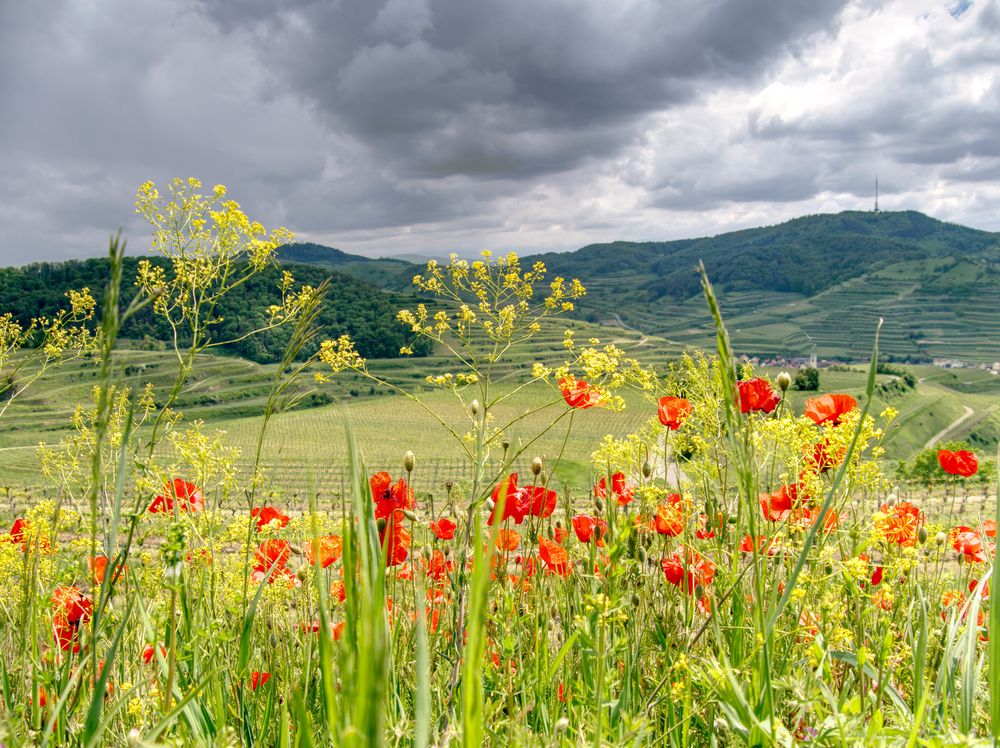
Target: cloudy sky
392, 126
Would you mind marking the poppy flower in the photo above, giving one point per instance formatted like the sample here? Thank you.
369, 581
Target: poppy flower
18, 530
71, 605
187, 496
276, 553
623, 493
338, 591
508, 540
258, 679
829, 408
66, 635
395, 539
325, 550
515, 504
877, 576
670, 517
268, 514
150, 652
777, 506
541, 501
443, 529
588, 528
820, 458
899, 524
99, 566
805, 517
756, 395
969, 543
990, 528
578, 394
555, 557
389, 496
673, 411
690, 564
748, 544
438, 567
961, 462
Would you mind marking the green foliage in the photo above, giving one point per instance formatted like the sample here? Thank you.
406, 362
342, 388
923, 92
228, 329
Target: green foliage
806, 379
351, 307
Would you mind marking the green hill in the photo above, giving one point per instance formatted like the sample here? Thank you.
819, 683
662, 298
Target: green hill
352, 306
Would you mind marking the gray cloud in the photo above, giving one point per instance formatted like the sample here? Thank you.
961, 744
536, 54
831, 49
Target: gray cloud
431, 125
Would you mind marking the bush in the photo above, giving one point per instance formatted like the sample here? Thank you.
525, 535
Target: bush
807, 379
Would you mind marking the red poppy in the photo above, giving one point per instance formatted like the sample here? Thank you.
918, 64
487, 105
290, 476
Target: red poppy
900, 523
756, 395
150, 652
777, 506
829, 408
258, 679
99, 566
962, 462
555, 557
268, 514
541, 501
515, 504
338, 591
66, 635
187, 495
395, 539
877, 576
673, 411
438, 567
806, 517
508, 540
670, 517
690, 564
748, 545
990, 528
443, 529
560, 533
578, 394
18, 530
389, 496
588, 528
969, 543
819, 458
325, 550
623, 493
276, 553
70, 604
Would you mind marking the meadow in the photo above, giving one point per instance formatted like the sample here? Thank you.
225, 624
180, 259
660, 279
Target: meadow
547, 533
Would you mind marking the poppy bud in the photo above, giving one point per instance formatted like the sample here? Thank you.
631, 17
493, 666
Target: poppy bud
410, 515
380, 523
642, 554
409, 460
491, 504
447, 551
647, 469
828, 568
940, 538
536, 466
474, 408
562, 724
272, 640
922, 535
599, 505
505, 444
636, 601
783, 380
731, 519
640, 582
302, 572
448, 485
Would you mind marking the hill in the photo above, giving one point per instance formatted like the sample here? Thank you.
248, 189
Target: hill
815, 284
352, 306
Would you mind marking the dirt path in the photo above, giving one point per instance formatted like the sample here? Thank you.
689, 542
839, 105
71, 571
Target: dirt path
969, 412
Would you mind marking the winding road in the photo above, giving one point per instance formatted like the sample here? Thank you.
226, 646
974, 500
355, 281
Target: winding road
950, 427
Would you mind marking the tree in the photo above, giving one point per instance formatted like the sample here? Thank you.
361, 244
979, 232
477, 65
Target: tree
807, 378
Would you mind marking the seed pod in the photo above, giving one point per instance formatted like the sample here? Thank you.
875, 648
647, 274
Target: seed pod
536, 466
409, 460
647, 469
784, 381
940, 538
699, 591
448, 486
505, 444
474, 408
922, 535
302, 572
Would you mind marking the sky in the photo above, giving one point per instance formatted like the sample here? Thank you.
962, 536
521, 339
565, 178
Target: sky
385, 127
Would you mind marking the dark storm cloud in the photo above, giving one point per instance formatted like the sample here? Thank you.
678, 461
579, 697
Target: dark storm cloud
513, 88
402, 125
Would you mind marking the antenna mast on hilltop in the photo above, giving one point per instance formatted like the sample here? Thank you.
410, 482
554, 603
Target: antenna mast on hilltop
876, 194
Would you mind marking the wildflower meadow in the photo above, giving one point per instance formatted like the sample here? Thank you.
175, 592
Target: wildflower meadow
739, 571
